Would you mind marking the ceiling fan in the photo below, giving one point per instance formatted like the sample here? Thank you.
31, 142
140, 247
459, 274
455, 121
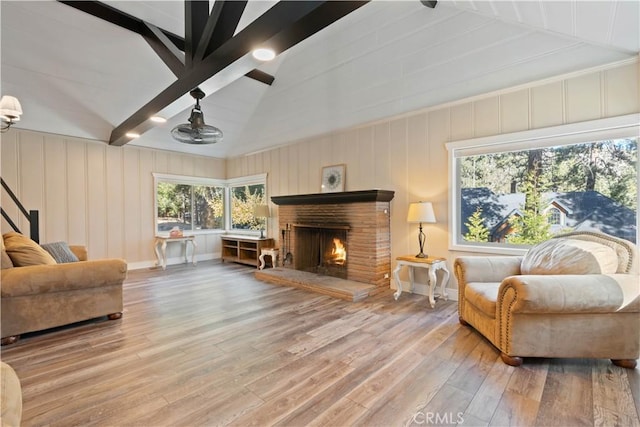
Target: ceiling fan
196, 131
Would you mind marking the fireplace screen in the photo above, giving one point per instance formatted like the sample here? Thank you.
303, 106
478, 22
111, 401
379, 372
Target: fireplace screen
321, 250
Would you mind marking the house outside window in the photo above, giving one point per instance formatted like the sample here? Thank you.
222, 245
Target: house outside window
200, 205
512, 191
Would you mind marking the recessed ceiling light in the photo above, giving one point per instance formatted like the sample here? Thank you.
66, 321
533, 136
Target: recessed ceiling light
263, 54
132, 135
157, 119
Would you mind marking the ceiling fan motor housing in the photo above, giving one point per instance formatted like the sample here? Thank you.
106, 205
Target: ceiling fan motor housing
196, 131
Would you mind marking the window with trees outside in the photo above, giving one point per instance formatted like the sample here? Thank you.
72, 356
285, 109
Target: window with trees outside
513, 191
204, 204
245, 194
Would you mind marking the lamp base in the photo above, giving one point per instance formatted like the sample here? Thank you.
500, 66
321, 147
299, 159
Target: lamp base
421, 238
262, 234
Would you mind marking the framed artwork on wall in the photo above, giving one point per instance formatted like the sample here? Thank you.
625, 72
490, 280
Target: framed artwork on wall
332, 179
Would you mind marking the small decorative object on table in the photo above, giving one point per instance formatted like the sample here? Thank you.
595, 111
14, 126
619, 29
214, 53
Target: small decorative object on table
333, 179
175, 232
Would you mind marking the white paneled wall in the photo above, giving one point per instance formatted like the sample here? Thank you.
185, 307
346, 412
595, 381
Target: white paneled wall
102, 196
407, 154
94, 194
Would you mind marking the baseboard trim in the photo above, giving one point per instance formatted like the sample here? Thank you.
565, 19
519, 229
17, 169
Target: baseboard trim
172, 261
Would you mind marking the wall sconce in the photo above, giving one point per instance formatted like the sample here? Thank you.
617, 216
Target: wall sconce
10, 111
421, 212
261, 211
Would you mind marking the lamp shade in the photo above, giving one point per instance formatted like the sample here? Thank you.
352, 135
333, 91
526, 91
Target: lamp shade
10, 108
261, 211
421, 212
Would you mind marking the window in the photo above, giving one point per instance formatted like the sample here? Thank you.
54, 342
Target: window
245, 194
188, 203
204, 204
555, 217
513, 191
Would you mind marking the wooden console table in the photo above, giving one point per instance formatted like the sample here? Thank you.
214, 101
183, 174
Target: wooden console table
432, 265
160, 247
244, 249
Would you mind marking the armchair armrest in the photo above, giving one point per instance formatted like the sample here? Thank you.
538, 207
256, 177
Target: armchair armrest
588, 293
80, 251
486, 269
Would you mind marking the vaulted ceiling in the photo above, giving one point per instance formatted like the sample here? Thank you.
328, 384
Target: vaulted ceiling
78, 75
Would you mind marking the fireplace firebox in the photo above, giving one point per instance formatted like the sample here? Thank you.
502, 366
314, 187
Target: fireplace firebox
321, 249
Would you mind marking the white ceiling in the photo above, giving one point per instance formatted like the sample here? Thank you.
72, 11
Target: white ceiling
80, 76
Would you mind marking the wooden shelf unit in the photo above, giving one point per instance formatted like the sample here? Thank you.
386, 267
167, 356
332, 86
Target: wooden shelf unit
244, 249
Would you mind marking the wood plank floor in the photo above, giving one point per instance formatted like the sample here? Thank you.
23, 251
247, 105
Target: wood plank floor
211, 345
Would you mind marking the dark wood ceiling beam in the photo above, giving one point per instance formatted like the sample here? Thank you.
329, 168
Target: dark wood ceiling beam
310, 24
281, 27
196, 15
261, 76
166, 50
221, 25
119, 18
131, 23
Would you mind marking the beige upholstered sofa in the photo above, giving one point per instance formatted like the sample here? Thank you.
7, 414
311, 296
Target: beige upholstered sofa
577, 295
38, 297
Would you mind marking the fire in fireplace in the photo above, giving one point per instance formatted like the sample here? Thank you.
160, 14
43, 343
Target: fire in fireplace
338, 253
321, 249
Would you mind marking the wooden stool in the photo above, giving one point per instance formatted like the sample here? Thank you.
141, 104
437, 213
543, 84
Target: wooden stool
273, 253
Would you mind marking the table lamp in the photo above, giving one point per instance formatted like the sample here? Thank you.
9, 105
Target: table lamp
421, 212
261, 211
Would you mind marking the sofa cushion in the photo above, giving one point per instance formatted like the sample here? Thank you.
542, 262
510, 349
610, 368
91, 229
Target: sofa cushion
483, 296
23, 251
5, 261
61, 252
570, 256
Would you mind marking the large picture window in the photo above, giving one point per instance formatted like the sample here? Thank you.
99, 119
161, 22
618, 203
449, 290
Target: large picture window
518, 190
201, 204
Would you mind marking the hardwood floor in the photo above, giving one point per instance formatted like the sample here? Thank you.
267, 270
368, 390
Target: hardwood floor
211, 345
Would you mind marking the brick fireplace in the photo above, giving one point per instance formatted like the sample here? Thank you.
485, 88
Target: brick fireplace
314, 228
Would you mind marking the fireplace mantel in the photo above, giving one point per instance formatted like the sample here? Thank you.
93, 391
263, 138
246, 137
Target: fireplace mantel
335, 198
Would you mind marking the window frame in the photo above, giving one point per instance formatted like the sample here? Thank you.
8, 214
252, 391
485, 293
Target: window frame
226, 184
627, 126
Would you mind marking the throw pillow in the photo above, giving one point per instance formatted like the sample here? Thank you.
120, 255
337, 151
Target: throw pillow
5, 261
23, 251
569, 256
61, 252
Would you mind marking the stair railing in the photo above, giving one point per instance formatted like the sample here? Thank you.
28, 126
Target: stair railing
31, 215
